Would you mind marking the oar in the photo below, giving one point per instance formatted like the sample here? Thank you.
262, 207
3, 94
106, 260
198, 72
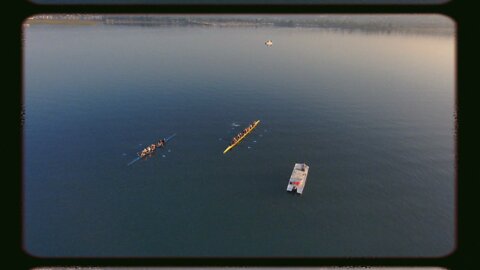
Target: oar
171, 136
133, 161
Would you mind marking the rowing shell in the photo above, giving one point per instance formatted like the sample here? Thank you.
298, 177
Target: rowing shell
138, 158
241, 138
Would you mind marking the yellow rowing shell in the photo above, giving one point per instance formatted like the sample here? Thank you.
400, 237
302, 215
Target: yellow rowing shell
243, 136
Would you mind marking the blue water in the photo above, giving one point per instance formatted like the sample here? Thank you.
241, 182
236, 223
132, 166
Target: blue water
372, 114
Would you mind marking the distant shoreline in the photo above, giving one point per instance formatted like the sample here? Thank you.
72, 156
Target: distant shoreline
421, 24
60, 22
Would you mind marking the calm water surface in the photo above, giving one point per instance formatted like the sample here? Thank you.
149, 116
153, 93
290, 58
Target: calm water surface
372, 114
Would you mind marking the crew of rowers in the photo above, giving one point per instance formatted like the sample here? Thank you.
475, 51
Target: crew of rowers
152, 148
236, 138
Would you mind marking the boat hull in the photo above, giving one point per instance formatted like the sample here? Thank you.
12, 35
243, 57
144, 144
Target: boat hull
298, 179
255, 124
140, 157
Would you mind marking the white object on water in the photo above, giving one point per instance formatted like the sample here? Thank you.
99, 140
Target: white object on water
298, 178
163, 156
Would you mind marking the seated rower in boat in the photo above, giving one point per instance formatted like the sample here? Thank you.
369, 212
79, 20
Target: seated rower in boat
147, 151
161, 143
